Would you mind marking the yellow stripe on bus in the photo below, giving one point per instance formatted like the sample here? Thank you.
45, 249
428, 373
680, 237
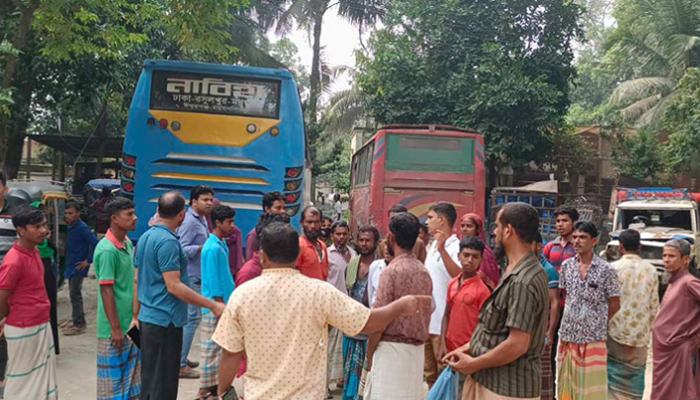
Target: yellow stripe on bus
213, 129
211, 178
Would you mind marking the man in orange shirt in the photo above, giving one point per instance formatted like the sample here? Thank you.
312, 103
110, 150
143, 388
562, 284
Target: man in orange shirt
313, 255
466, 294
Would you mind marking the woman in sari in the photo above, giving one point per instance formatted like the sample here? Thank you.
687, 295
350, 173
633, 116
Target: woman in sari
489, 271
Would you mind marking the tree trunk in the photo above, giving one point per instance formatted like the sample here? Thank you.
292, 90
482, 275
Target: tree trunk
101, 134
7, 126
315, 65
15, 144
19, 41
16, 127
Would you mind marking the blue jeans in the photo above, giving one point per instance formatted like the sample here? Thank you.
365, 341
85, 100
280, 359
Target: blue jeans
194, 316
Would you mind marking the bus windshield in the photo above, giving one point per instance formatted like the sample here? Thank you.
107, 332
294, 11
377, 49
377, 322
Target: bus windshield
430, 154
179, 91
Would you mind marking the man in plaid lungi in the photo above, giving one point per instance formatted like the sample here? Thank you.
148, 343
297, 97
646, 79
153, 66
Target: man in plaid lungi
118, 358
217, 285
553, 283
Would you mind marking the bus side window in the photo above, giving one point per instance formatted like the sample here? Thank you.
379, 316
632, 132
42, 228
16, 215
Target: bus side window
355, 171
362, 167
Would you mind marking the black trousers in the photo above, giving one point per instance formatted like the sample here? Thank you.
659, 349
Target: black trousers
50, 282
160, 361
75, 285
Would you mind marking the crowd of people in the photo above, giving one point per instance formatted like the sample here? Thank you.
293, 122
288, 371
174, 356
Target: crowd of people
379, 316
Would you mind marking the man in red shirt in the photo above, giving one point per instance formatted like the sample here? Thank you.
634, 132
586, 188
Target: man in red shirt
313, 255
466, 293
31, 366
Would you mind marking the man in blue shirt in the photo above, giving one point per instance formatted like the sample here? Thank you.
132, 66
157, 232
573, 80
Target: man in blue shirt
164, 296
193, 233
217, 285
80, 246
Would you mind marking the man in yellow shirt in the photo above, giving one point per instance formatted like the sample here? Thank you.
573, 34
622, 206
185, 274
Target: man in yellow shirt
280, 322
630, 328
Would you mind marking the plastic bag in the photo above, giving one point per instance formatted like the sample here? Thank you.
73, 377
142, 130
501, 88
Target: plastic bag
446, 387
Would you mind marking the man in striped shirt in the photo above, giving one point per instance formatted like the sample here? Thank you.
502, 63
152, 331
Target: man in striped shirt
503, 357
562, 248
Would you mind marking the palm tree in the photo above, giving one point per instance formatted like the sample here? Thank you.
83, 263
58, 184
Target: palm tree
309, 15
345, 107
666, 40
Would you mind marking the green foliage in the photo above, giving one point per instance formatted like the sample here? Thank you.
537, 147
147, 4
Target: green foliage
437, 63
640, 156
287, 53
334, 165
573, 155
106, 28
683, 124
662, 37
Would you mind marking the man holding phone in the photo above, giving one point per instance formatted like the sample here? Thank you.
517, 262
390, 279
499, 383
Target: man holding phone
118, 358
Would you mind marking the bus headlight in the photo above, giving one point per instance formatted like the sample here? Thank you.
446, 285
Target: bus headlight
251, 128
292, 186
292, 211
176, 125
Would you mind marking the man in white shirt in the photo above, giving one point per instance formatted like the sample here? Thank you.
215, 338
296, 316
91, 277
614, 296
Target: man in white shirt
443, 264
339, 255
376, 269
338, 208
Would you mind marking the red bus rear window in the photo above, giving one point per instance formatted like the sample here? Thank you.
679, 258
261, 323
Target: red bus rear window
430, 154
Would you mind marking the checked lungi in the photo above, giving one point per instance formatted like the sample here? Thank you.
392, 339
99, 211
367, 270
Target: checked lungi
118, 371
211, 353
31, 366
626, 369
547, 392
583, 372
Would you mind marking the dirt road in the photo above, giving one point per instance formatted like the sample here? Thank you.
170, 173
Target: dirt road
77, 363
77, 371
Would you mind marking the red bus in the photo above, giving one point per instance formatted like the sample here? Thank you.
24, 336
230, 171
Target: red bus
417, 166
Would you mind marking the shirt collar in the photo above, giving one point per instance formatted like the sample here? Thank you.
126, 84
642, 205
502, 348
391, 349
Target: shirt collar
24, 250
517, 269
280, 271
468, 280
403, 256
449, 242
308, 243
221, 242
165, 228
634, 257
113, 239
77, 224
678, 275
596, 262
560, 241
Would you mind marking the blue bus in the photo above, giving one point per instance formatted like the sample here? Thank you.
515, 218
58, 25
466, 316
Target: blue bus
237, 129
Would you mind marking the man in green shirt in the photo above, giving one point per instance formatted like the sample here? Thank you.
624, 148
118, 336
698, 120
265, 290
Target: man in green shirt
118, 358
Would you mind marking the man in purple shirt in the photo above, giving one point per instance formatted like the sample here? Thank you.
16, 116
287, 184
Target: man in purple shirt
272, 202
676, 332
193, 233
